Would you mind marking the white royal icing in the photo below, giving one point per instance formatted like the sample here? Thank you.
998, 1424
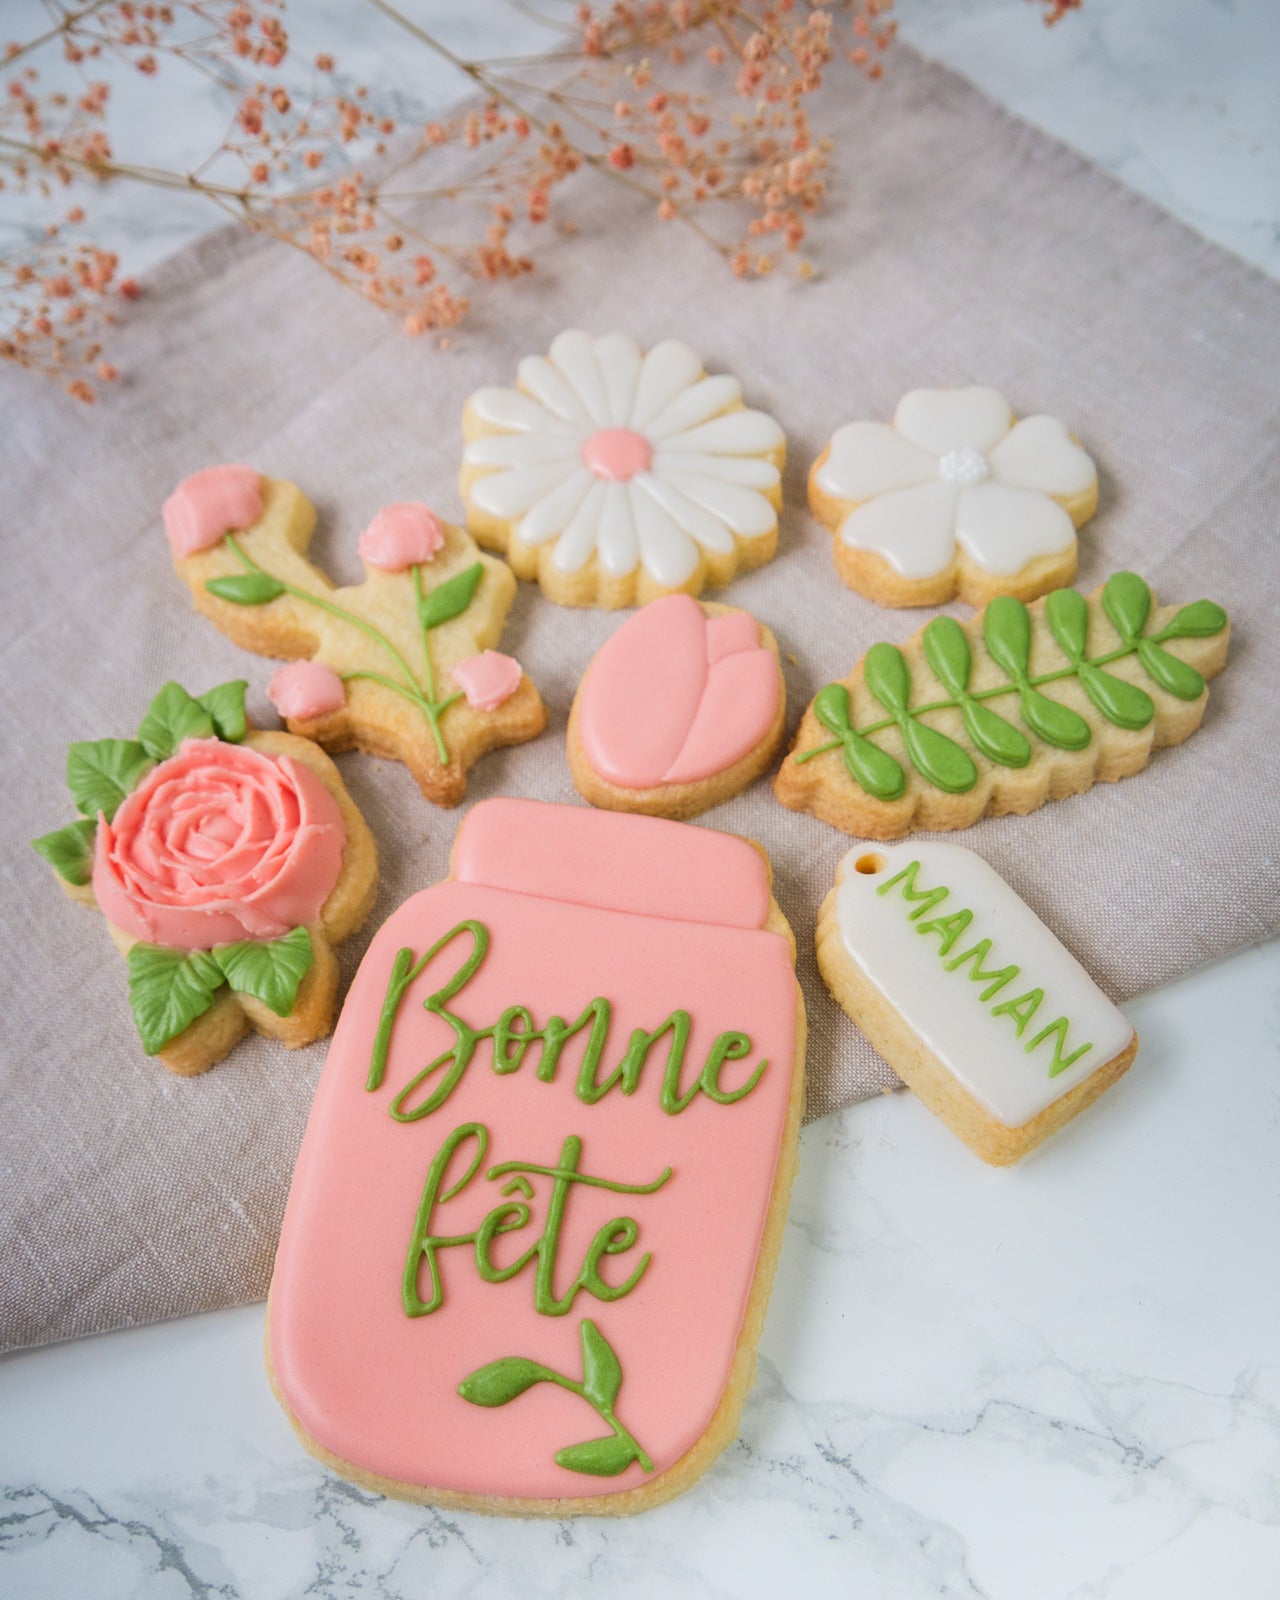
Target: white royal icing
1002, 481
914, 956
707, 482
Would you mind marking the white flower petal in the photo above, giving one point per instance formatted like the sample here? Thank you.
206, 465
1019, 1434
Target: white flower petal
749, 514
616, 539
749, 470
741, 433
669, 554
509, 408
1041, 454
551, 515
574, 353
705, 399
913, 529
620, 361
871, 458
953, 419
697, 522
1004, 528
546, 383
576, 544
521, 449
510, 494
668, 368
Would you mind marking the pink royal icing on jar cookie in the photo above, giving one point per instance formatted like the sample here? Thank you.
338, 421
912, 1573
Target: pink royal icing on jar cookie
617, 453
306, 689
488, 679
400, 536
210, 504
219, 843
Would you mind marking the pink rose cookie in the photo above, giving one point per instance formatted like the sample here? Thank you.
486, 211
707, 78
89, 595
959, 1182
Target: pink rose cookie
227, 862
957, 497
681, 708
400, 665
534, 1221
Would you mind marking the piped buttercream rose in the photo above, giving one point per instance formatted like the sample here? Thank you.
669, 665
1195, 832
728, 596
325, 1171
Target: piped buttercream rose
219, 843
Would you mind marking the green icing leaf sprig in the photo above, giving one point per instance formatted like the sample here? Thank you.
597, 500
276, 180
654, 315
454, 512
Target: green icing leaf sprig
505, 1380
1006, 635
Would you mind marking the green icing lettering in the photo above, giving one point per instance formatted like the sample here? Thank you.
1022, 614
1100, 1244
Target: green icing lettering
907, 878
995, 979
950, 928
1058, 1031
1021, 1009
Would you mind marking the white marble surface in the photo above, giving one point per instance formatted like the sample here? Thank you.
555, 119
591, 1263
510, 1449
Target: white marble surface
1058, 1381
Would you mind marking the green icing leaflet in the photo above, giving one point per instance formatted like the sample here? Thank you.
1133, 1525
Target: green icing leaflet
1006, 636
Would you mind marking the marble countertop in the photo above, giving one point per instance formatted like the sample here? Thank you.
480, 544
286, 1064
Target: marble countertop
1057, 1381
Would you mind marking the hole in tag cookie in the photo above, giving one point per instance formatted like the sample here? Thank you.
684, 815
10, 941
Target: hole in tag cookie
870, 864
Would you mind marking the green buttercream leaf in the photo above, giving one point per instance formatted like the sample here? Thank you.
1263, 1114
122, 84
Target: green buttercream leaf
946, 649
939, 760
873, 769
501, 1381
1068, 614
888, 677
1200, 620
100, 772
1127, 601
69, 850
225, 704
451, 599
168, 990
831, 707
1006, 627
600, 1458
246, 588
601, 1370
1053, 722
1122, 703
270, 970
172, 717
1169, 672
998, 740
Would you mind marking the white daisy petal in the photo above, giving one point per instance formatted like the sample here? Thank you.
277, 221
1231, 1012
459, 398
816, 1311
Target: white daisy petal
697, 404
741, 433
551, 515
668, 368
574, 353
749, 514
953, 419
1003, 528
697, 522
508, 408
576, 545
1041, 454
913, 529
669, 554
620, 361
748, 470
871, 458
547, 384
510, 494
521, 449
616, 538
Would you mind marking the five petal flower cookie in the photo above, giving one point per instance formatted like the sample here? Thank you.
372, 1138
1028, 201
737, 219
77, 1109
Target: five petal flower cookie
227, 862
400, 665
956, 497
614, 477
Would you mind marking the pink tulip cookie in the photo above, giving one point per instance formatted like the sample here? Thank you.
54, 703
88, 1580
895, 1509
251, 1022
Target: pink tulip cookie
228, 863
534, 1221
681, 708
956, 497
401, 665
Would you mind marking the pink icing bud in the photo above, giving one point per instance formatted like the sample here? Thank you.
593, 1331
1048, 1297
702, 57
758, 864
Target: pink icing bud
401, 536
617, 454
306, 689
488, 679
210, 504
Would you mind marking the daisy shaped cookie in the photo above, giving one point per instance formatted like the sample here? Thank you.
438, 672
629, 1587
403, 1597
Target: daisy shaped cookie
957, 497
614, 476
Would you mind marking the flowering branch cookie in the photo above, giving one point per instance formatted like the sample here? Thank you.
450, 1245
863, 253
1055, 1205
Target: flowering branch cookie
957, 724
400, 665
614, 477
954, 498
227, 862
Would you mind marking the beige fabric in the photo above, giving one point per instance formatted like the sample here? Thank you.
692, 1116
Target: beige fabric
961, 246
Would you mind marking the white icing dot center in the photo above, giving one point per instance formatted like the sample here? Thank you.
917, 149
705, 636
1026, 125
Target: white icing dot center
964, 466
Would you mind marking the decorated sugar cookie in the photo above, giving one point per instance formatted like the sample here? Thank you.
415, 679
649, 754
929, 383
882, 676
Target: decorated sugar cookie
400, 665
955, 498
614, 476
967, 995
533, 1224
681, 708
228, 862
1021, 705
